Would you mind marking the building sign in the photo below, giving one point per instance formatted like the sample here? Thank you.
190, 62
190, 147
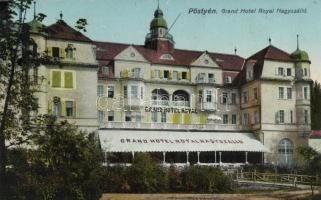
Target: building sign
169, 109
180, 141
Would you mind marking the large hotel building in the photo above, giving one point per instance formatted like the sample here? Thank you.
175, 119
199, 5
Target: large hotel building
183, 106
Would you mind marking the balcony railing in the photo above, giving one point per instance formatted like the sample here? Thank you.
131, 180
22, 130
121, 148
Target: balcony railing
141, 125
170, 103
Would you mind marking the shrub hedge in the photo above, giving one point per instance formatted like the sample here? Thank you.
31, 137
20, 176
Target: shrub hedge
147, 176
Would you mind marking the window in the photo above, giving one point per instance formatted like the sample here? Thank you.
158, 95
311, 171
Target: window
244, 95
289, 93
254, 93
227, 79
184, 75
105, 70
141, 93
211, 78
166, 73
233, 98
208, 96
224, 98
291, 116
281, 93
125, 92
225, 119
134, 92
280, 117
285, 152
201, 78
305, 72
157, 73
138, 116
110, 91
233, 119
56, 79
245, 119
128, 116
288, 71
100, 90
111, 116
306, 116
256, 117
154, 116
55, 52
175, 75
68, 80
136, 73
69, 108
280, 71
163, 117
200, 95
56, 108
70, 51
100, 116
305, 93
61, 79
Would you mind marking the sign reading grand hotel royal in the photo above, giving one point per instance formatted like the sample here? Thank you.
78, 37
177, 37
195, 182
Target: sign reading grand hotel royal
181, 141
169, 109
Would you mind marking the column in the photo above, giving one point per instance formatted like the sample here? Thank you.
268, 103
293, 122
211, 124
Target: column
215, 157
187, 161
220, 158
164, 157
198, 157
133, 156
246, 158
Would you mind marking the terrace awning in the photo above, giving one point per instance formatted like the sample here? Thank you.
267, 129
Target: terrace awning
177, 141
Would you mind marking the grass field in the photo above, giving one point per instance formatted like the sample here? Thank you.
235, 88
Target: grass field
289, 195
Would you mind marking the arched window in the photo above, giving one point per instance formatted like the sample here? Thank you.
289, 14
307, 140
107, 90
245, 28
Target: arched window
285, 152
160, 97
181, 98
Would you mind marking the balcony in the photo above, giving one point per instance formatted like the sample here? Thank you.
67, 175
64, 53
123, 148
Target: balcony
160, 126
207, 105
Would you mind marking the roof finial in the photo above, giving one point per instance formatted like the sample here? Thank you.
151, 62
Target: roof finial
297, 41
34, 10
235, 50
270, 41
61, 15
157, 4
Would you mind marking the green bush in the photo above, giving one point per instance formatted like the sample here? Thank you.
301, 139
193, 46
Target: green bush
147, 176
205, 180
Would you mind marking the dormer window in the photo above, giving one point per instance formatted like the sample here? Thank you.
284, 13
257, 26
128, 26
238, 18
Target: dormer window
228, 79
70, 51
105, 70
166, 57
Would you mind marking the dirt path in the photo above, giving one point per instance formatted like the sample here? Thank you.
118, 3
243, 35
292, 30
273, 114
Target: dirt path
289, 195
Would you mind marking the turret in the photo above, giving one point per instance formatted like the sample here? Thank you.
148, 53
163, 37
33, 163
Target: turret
158, 38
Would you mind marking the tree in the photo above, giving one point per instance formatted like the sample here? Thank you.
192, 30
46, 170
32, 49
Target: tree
66, 163
81, 24
312, 162
316, 106
16, 92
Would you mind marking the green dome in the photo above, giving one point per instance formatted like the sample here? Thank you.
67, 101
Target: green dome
158, 20
300, 55
36, 27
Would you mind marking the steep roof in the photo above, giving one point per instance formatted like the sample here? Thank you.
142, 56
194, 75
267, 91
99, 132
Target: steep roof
273, 53
108, 51
61, 30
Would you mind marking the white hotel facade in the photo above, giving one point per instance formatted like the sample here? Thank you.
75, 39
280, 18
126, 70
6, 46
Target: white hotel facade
180, 105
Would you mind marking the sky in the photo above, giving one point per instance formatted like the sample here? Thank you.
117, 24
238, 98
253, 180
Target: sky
127, 21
